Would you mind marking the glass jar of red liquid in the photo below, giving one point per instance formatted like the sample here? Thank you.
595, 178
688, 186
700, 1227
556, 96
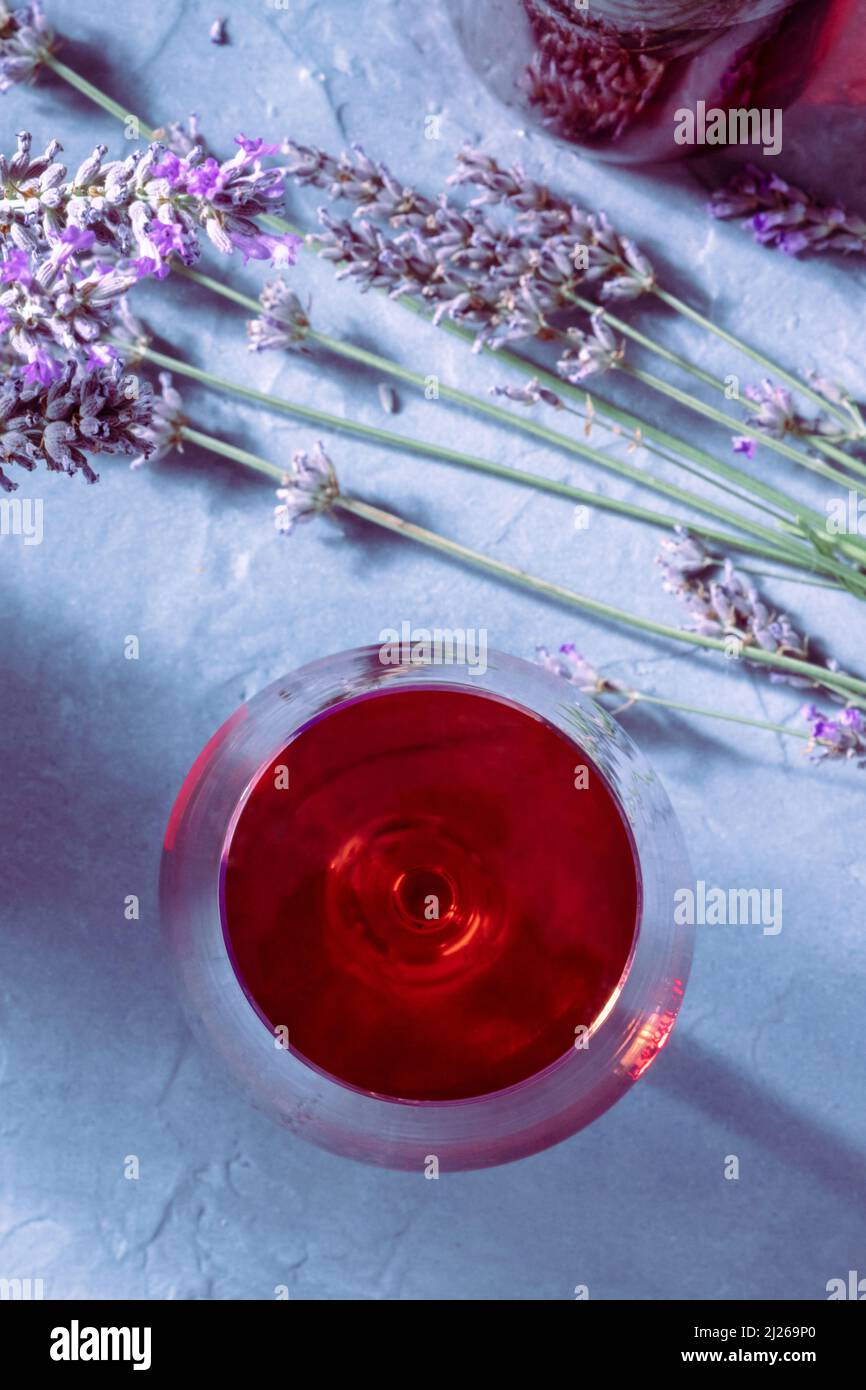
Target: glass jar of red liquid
610, 76
424, 908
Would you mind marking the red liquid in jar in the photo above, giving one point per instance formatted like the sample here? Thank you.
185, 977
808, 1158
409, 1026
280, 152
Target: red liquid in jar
431, 908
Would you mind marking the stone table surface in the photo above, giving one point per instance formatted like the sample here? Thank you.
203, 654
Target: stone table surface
96, 1062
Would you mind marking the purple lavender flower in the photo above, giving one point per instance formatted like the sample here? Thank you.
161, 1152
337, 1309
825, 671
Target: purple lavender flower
284, 322
593, 353
501, 265
73, 241
280, 248
25, 38
60, 422
839, 738
161, 434
725, 605
173, 239
569, 663
771, 409
42, 369
15, 269
173, 168
71, 248
255, 148
100, 355
309, 487
786, 218
742, 444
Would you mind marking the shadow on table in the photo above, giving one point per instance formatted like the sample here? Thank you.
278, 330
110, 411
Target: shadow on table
702, 1079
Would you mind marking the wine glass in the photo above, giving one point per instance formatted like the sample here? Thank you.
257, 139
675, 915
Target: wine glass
301, 859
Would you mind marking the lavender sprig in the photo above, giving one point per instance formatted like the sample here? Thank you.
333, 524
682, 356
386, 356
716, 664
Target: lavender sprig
786, 218
839, 738
71, 249
284, 323
724, 605
640, 268
104, 411
842, 738
552, 256
503, 278
152, 203
309, 488
615, 264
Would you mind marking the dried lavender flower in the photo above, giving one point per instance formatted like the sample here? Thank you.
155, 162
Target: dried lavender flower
614, 263
162, 433
356, 177
569, 663
530, 394
71, 249
685, 554
284, 322
785, 218
25, 38
725, 605
58, 420
310, 487
501, 277
771, 409
593, 353
843, 737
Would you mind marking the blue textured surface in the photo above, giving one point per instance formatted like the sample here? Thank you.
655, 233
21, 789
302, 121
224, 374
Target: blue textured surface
95, 1060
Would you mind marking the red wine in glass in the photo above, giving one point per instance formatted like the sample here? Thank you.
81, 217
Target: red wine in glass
432, 891
424, 910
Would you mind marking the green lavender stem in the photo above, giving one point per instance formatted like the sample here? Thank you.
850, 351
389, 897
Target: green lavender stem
773, 368
392, 368
528, 369
99, 98
729, 422
771, 497
775, 547
816, 441
231, 451
851, 687
389, 367
634, 696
